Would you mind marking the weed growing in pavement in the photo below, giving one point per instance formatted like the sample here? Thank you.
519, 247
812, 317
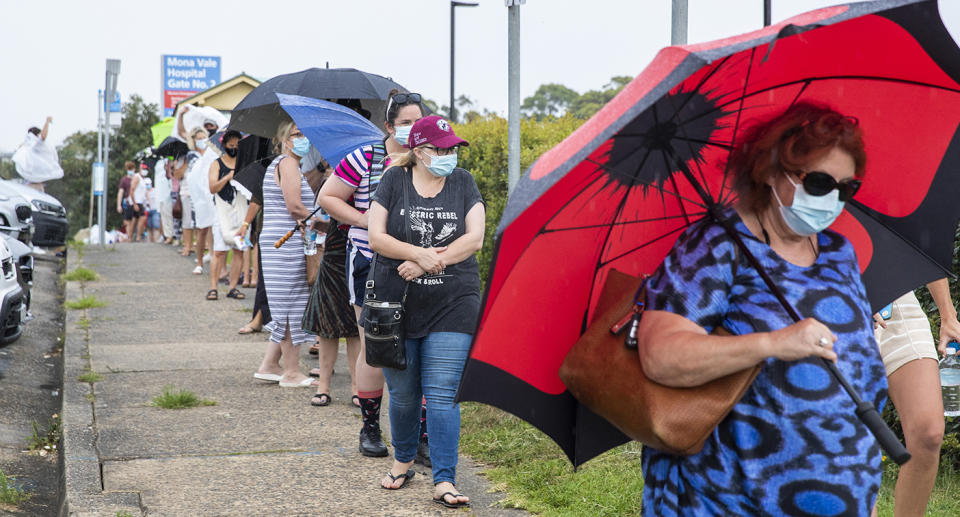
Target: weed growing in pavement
124, 514
90, 398
87, 302
90, 376
49, 440
9, 493
78, 246
179, 399
81, 274
83, 323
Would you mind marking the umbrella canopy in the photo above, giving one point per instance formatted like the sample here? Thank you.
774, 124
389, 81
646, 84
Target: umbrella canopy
172, 147
617, 192
161, 130
333, 129
260, 112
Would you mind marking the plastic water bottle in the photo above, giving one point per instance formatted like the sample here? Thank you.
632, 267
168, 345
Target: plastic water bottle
950, 380
309, 241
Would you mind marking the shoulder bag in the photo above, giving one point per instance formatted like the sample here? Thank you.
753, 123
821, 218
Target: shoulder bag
603, 372
384, 322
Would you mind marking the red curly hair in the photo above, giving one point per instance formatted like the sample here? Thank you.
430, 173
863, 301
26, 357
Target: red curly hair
802, 134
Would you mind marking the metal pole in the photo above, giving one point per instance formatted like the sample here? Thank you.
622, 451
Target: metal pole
513, 88
678, 23
766, 13
453, 110
102, 219
93, 178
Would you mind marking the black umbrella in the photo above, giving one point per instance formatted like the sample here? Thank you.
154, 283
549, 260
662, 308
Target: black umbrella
172, 147
260, 112
254, 155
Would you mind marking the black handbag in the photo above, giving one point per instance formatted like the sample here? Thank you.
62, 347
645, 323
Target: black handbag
384, 322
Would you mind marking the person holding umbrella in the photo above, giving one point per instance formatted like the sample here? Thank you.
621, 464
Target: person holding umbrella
347, 199
792, 445
286, 196
426, 248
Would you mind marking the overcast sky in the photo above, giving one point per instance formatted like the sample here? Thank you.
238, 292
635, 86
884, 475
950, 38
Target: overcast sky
55, 50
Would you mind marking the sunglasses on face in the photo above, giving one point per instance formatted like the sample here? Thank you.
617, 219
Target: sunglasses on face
818, 183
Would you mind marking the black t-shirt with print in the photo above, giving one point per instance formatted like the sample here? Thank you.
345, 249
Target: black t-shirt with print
449, 301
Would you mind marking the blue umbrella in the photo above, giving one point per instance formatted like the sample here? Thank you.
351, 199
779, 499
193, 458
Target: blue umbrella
333, 129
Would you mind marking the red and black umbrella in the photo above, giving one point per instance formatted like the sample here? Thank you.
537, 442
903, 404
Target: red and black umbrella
617, 192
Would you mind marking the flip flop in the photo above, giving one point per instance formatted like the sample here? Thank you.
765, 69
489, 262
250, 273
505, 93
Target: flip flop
305, 383
407, 476
356, 401
272, 377
324, 399
212, 295
443, 500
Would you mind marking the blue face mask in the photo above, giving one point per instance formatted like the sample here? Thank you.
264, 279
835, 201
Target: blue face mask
402, 134
301, 146
808, 214
442, 166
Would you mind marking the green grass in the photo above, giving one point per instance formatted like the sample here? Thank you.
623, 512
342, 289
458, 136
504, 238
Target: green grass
11, 494
87, 302
90, 376
124, 514
944, 501
179, 399
83, 323
48, 440
537, 475
81, 274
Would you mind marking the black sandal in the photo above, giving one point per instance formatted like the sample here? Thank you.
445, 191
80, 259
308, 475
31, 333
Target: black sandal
407, 476
212, 294
356, 401
443, 500
324, 399
235, 293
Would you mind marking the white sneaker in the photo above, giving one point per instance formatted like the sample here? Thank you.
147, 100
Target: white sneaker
206, 258
198, 270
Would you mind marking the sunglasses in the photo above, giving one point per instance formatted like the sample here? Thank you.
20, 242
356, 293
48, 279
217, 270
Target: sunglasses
818, 183
405, 98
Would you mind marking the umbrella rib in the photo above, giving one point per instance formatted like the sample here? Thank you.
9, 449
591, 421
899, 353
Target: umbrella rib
588, 181
683, 129
621, 223
641, 246
736, 124
664, 191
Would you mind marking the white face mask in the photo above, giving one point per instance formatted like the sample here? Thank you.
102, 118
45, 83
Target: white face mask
809, 214
201, 144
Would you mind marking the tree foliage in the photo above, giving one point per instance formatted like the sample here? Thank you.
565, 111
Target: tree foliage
79, 151
486, 159
555, 100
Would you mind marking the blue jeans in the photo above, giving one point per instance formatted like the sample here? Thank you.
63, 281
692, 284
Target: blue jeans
434, 366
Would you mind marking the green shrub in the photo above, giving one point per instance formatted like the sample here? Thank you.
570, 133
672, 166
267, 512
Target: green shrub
486, 159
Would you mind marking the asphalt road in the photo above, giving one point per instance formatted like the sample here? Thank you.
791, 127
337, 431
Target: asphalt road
30, 382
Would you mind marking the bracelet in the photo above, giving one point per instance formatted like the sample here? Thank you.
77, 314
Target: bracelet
245, 224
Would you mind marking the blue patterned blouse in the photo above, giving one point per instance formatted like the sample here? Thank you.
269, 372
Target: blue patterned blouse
792, 445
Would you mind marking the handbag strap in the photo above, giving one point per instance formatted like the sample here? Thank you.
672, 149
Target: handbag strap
370, 294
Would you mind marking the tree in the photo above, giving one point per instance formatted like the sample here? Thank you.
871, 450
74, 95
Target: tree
550, 100
79, 151
590, 102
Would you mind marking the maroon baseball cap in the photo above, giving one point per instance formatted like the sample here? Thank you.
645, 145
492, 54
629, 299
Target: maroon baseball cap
433, 130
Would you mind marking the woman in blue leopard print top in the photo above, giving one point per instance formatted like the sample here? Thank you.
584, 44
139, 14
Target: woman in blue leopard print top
792, 445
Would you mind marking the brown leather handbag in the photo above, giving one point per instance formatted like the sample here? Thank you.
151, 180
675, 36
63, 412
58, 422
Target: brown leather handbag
607, 377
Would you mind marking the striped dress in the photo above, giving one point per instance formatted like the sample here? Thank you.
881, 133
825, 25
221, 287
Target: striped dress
362, 170
284, 269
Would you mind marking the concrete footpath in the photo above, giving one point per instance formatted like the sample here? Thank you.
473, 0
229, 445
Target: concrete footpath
261, 450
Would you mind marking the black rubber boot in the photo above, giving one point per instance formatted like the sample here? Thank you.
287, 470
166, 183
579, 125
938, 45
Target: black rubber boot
371, 441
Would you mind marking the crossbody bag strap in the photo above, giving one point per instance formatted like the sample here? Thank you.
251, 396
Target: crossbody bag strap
371, 284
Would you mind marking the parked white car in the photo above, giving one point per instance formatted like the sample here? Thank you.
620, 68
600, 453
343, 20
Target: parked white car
11, 294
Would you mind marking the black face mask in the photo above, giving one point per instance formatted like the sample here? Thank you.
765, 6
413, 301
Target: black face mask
231, 151
211, 131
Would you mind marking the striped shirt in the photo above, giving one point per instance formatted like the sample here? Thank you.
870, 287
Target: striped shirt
362, 169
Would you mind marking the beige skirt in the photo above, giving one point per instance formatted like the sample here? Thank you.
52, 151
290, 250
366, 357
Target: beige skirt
907, 336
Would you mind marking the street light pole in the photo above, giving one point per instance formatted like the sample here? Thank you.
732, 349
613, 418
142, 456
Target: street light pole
513, 89
678, 23
766, 13
113, 70
453, 5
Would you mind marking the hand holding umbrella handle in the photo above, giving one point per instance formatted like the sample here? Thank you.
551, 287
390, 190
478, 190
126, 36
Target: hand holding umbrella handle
885, 437
284, 239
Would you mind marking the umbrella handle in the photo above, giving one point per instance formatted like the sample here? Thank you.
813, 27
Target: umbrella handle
284, 239
885, 437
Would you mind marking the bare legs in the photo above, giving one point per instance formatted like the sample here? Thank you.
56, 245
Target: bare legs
187, 241
271, 359
326, 356
353, 352
915, 392
202, 235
